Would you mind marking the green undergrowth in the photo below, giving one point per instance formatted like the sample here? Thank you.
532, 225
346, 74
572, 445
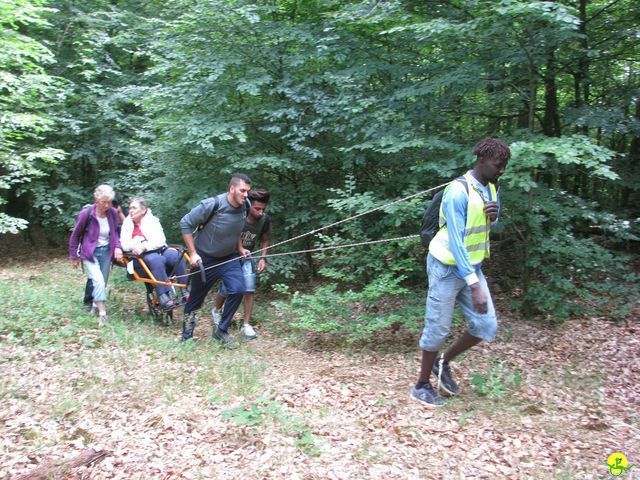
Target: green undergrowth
496, 381
39, 311
43, 311
264, 413
349, 316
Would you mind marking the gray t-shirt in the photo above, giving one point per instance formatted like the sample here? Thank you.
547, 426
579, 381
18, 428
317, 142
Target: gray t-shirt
219, 237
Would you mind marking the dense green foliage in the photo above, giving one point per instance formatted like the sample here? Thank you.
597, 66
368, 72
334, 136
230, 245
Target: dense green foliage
339, 107
26, 87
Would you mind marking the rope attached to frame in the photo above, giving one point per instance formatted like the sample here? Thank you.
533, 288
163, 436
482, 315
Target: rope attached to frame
334, 224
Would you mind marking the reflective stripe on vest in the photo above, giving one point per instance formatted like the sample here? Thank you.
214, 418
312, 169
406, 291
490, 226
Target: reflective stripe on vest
476, 232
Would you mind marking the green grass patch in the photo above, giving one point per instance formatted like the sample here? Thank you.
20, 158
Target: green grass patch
263, 413
497, 379
143, 358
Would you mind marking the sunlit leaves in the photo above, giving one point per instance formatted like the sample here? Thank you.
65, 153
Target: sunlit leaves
549, 153
26, 88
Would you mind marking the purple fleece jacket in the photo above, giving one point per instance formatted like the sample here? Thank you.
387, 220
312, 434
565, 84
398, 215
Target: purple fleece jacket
90, 239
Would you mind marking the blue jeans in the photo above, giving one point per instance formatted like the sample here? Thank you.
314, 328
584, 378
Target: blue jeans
161, 264
445, 289
98, 272
249, 274
231, 274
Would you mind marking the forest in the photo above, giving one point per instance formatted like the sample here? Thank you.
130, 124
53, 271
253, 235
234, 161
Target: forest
352, 109
338, 108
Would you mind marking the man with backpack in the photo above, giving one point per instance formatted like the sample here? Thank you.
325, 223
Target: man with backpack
217, 248
470, 206
256, 230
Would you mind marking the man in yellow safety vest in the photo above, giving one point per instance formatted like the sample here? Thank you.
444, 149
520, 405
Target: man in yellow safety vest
454, 268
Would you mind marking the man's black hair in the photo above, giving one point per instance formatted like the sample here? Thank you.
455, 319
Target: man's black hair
236, 178
492, 148
117, 200
259, 195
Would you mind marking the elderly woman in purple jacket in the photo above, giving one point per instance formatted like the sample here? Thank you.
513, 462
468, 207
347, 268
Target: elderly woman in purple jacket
95, 241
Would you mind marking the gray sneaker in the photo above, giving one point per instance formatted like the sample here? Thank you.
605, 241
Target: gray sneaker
217, 316
248, 332
427, 395
226, 339
445, 380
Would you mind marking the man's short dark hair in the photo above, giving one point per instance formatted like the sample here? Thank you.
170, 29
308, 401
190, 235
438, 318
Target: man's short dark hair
117, 200
236, 178
492, 148
259, 195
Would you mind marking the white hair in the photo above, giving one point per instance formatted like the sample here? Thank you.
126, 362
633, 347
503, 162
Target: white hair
103, 191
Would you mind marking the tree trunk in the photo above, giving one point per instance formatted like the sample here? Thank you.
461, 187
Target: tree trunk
528, 307
62, 469
581, 76
551, 119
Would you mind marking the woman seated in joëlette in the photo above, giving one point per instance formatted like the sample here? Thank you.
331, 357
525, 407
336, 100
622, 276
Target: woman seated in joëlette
142, 235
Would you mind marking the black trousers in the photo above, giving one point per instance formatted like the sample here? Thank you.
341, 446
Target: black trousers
88, 292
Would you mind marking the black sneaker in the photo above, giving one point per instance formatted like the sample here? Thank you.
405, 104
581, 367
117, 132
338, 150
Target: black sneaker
427, 395
443, 375
167, 301
188, 325
225, 338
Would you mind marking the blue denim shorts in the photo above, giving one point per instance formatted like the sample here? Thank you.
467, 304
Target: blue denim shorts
445, 289
249, 275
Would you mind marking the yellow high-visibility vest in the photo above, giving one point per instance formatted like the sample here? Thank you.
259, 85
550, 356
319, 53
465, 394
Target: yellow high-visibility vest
476, 232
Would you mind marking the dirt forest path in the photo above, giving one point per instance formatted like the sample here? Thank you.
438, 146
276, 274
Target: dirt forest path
541, 402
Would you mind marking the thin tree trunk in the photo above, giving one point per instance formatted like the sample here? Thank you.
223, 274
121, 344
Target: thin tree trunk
527, 276
551, 119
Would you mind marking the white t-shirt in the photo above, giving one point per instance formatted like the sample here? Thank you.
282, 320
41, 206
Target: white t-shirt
103, 239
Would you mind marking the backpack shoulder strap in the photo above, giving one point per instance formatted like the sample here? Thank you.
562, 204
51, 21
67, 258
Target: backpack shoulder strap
463, 181
265, 224
247, 206
87, 219
211, 214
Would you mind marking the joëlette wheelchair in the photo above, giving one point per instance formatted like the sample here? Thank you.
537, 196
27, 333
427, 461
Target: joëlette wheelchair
180, 290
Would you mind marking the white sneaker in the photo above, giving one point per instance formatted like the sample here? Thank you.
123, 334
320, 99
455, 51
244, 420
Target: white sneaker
248, 332
217, 316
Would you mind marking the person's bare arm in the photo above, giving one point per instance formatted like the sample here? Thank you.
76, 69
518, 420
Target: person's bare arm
262, 264
244, 253
478, 298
